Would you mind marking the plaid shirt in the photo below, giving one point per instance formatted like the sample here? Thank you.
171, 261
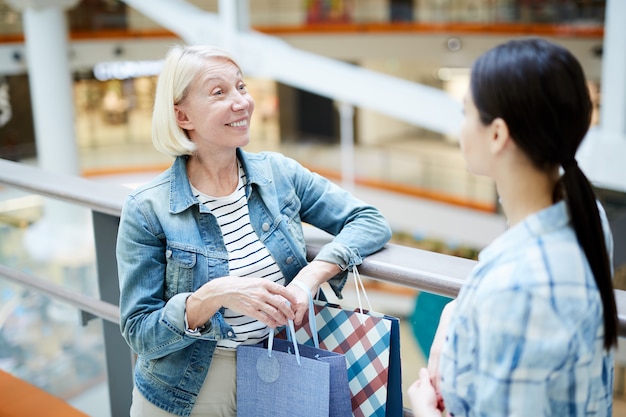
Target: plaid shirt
526, 337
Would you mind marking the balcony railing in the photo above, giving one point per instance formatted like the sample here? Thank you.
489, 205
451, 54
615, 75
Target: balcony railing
414, 268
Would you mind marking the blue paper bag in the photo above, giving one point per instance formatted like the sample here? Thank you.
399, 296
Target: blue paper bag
279, 379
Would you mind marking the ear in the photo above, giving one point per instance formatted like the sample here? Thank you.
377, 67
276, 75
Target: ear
182, 119
500, 138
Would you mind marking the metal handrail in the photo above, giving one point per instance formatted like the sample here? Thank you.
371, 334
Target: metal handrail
85, 303
415, 268
101, 197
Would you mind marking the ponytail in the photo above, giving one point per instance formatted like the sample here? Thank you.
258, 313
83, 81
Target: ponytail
586, 220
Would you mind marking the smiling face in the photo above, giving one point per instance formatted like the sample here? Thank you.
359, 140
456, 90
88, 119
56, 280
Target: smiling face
217, 108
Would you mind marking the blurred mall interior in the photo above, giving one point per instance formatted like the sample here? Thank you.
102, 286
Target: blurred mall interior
413, 172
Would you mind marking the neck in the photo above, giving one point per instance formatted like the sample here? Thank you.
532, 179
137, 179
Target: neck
525, 193
217, 176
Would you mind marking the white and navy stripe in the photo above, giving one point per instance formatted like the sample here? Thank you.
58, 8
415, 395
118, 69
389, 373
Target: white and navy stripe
247, 257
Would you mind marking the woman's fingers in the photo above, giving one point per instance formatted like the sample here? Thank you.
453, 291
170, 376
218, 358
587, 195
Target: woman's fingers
263, 300
422, 396
301, 306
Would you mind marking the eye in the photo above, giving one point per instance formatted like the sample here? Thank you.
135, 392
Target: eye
242, 87
217, 92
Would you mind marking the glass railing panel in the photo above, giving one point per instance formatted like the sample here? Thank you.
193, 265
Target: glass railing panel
48, 238
43, 341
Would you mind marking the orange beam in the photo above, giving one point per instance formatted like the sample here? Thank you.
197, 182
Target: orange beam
547, 29
330, 174
411, 191
134, 169
540, 29
25, 399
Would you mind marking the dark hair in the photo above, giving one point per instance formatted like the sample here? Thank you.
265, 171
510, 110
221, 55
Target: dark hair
539, 89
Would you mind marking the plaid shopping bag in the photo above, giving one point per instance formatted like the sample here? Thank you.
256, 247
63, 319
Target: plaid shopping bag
371, 344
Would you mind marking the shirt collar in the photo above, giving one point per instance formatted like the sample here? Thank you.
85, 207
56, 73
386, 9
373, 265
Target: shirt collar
542, 222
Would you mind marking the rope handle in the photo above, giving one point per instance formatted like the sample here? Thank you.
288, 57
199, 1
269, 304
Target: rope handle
358, 282
360, 288
292, 333
312, 323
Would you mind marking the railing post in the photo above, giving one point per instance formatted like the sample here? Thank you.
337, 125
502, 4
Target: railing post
119, 361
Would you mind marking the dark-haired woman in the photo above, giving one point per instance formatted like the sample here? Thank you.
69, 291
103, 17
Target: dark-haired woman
532, 330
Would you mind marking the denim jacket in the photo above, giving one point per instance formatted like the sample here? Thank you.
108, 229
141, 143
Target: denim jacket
169, 245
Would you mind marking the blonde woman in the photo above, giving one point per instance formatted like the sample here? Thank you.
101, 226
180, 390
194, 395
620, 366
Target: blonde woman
208, 251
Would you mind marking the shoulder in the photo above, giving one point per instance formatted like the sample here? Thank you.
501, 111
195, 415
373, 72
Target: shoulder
545, 259
266, 158
550, 269
151, 186
146, 197
547, 285
265, 167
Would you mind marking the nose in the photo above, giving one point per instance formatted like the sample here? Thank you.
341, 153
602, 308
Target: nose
240, 102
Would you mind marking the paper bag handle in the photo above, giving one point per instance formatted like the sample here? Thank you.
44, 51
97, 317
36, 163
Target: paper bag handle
312, 323
292, 330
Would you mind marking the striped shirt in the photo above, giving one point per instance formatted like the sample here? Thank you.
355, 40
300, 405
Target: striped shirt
247, 257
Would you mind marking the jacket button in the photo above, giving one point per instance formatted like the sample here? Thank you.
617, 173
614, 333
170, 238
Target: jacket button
266, 227
289, 260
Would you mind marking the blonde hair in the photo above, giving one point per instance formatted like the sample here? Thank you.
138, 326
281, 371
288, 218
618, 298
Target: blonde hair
181, 66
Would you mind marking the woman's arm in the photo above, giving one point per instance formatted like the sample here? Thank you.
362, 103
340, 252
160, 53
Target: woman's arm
436, 347
312, 276
358, 228
258, 298
149, 324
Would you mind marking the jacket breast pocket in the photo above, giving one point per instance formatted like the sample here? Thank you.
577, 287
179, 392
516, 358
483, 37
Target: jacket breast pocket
290, 213
179, 271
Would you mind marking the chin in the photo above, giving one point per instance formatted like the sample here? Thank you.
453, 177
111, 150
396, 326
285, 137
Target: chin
243, 142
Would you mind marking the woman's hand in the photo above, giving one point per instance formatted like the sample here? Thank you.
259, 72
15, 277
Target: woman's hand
312, 276
258, 298
423, 397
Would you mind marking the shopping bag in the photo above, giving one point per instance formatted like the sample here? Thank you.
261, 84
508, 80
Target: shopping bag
370, 342
279, 378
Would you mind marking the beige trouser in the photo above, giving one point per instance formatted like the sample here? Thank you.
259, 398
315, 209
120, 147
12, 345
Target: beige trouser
217, 397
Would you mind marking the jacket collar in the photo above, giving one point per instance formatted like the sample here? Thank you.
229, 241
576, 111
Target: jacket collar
181, 196
254, 171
